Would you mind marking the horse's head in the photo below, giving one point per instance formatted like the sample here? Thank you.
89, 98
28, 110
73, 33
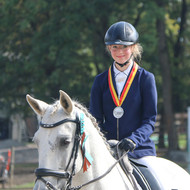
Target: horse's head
57, 139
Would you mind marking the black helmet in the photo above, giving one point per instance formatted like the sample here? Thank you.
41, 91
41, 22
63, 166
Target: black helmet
121, 33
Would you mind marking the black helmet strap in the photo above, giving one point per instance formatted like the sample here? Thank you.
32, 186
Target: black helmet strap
122, 65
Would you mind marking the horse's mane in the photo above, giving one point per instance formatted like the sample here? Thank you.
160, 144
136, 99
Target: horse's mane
81, 107
93, 120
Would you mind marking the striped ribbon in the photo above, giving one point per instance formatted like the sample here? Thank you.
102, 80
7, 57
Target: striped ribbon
118, 102
87, 157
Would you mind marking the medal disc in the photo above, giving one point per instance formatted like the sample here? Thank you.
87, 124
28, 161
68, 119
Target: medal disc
118, 112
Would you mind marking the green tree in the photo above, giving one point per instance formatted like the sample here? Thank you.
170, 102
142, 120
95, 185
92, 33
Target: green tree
51, 45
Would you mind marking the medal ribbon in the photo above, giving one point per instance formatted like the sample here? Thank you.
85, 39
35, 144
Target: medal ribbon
118, 102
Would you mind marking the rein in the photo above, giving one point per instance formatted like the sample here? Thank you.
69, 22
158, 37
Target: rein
44, 172
100, 177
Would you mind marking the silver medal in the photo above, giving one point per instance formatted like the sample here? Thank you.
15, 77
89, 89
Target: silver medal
118, 112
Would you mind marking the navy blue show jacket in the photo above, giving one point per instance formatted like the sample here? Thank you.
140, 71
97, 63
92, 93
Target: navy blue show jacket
140, 109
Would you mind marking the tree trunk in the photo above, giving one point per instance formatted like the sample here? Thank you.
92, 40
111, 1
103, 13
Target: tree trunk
161, 143
179, 47
168, 120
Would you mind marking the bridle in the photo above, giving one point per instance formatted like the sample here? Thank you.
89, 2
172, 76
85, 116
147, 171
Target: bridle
44, 172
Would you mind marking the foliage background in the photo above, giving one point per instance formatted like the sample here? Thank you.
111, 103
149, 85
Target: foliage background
50, 45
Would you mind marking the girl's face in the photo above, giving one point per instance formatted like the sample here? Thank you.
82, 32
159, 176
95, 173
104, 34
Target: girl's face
120, 53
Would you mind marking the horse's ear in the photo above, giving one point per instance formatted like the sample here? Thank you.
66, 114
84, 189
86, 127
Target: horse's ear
66, 102
38, 106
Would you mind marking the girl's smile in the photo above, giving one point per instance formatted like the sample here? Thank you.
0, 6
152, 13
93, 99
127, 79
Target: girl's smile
120, 53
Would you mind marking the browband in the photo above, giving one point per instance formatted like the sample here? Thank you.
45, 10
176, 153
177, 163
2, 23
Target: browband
60, 122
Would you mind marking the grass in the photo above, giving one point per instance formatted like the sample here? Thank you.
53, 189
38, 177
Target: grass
182, 140
27, 185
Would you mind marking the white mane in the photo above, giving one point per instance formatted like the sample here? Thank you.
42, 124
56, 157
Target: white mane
93, 120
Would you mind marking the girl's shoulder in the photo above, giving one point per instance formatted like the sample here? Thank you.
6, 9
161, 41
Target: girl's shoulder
145, 73
102, 76
105, 73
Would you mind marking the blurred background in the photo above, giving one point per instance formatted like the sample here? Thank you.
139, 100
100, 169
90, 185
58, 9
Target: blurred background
50, 45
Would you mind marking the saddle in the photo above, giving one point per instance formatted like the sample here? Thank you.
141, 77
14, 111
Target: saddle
139, 175
144, 176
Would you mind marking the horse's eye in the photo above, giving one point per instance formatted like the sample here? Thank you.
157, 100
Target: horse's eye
64, 141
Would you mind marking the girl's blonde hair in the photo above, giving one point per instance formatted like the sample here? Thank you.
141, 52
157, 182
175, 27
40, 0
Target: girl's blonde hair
137, 52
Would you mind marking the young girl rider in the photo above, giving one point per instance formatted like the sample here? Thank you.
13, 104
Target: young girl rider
124, 98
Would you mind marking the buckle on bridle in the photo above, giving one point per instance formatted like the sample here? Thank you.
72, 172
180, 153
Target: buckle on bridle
78, 137
49, 185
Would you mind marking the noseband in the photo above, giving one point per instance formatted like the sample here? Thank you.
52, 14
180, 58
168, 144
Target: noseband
44, 172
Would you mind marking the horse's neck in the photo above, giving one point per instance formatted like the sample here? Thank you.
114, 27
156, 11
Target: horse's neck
102, 161
100, 153
97, 148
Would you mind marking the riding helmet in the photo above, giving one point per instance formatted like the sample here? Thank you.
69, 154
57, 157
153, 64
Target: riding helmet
121, 33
